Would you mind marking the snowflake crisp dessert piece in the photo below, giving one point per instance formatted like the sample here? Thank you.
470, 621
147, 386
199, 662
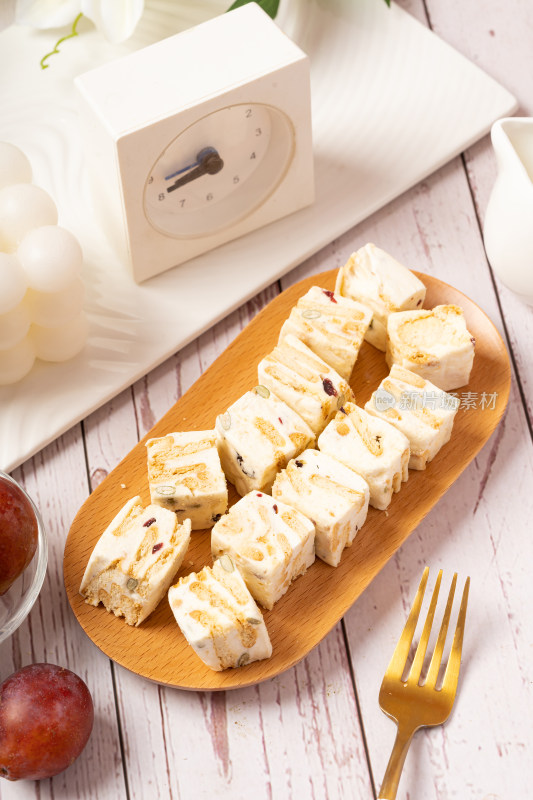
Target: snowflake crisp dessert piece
332, 326
219, 617
270, 543
373, 277
134, 560
434, 344
417, 408
185, 476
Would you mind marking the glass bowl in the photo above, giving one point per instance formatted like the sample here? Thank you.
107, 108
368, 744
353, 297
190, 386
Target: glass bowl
17, 602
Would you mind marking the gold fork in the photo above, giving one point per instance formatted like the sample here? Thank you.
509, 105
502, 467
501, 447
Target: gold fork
411, 703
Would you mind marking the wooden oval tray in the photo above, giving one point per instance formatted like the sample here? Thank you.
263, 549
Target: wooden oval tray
315, 602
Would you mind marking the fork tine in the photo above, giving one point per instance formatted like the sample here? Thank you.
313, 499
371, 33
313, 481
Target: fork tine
436, 658
451, 676
399, 657
418, 661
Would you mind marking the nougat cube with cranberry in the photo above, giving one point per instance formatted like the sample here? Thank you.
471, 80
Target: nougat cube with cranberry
256, 437
417, 408
334, 497
332, 326
270, 543
135, 560
304, 381
371, 447
373, 277
185, 476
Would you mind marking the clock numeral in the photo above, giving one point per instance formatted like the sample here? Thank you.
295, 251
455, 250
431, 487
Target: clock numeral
253, 155
209, 197
248, 112
151, 179
236, 179
161, 196
258, 132
182, 202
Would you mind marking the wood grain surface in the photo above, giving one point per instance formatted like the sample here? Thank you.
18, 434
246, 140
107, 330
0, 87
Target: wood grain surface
317, 601
317, 730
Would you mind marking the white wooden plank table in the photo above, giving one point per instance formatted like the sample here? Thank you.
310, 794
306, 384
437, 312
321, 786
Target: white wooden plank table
316, 731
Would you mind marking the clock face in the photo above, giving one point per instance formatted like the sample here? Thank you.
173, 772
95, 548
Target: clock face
218, 170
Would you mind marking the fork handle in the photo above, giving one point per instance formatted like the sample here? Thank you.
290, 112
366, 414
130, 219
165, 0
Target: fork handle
391, 779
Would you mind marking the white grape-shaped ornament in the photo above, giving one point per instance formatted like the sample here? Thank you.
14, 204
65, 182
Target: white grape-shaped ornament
14, 325
41, 291
22, 208
16, 361
55, 308
14, 166
51, 258
61, 342
13, 282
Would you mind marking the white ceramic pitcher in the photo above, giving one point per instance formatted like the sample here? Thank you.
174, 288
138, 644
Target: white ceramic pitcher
508, 229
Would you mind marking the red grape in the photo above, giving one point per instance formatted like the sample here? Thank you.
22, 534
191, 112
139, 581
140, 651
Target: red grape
18, 533
46, 718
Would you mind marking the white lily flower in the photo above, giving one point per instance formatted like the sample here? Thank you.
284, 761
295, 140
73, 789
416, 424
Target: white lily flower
116, 19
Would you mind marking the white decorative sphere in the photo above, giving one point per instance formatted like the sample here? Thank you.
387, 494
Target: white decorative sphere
54, 308
16, 362
23, 207
14, 166
12, 282
62, 342
14, 325
51, 258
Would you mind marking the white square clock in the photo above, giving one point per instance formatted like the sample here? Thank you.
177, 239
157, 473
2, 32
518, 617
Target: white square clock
199, 138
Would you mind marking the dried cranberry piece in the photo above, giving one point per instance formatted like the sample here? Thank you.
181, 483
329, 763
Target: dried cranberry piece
157, 547
149, 522
343, 410
275, 508
328, 387
298, 463
329, 294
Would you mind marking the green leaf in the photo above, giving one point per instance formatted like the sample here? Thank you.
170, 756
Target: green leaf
270, 6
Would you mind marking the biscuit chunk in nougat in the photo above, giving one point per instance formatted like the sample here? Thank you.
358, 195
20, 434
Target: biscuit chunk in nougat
304, 381
219, 617
185, 476
256, 437
417, 408
373, 277
270, 543
134, 560
332, 326
334, 497
434, 344
371, 447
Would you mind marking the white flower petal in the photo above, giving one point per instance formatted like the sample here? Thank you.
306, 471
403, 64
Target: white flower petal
47, 13
116, 19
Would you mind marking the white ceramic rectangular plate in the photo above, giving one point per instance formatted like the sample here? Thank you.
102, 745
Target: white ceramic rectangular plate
391, 103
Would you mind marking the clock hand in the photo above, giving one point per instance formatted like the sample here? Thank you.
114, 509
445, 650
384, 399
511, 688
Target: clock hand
209, 163
181, 171
200, 156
